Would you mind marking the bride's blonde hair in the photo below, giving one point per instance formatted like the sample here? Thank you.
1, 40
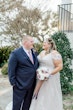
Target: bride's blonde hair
53, 45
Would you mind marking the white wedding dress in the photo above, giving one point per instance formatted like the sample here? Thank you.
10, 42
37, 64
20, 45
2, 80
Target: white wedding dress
50, 95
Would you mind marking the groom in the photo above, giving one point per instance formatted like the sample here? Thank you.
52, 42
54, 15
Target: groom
22, 73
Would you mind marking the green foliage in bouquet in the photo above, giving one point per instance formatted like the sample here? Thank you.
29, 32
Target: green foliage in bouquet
4, 69
63, 46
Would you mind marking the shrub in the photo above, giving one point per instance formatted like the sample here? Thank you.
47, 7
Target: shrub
5, 69
38, 47
63, 46
4, 54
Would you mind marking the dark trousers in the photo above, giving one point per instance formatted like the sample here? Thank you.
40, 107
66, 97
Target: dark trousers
22, 98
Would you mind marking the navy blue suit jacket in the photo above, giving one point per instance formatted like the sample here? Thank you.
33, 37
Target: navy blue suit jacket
21, 71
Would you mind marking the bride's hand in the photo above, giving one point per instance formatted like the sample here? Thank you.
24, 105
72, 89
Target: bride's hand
37, 88
35, 95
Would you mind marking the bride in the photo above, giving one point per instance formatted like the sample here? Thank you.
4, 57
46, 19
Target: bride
47, 94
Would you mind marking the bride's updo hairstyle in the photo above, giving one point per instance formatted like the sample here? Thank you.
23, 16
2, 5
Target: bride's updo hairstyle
53, 45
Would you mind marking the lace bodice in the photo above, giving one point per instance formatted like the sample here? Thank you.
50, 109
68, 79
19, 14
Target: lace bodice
47, 60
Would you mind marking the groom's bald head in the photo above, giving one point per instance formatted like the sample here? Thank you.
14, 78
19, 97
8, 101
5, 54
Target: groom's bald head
27, 41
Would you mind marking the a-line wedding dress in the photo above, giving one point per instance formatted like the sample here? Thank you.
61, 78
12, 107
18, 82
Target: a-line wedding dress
50, 95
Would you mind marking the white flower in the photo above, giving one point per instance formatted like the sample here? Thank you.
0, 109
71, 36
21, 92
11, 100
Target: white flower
42, 73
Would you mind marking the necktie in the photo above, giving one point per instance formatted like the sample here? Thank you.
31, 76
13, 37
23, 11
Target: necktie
30, 56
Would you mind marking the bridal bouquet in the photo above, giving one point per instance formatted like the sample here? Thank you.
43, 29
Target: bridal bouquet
43, 73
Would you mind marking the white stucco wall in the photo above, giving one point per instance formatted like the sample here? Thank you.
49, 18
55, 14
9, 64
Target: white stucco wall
66, 1
70, 37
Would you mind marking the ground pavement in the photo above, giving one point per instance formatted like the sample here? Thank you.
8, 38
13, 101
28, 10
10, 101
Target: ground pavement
5, 92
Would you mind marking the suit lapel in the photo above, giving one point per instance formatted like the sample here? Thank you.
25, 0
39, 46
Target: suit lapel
25, 54
34, 57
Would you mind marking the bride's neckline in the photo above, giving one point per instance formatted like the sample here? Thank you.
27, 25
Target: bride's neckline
44, 54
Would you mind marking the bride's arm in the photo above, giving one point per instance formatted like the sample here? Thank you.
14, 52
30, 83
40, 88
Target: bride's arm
58, 63
39, 82
37, 88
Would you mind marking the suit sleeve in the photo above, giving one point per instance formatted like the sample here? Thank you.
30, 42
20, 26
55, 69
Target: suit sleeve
12, 64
